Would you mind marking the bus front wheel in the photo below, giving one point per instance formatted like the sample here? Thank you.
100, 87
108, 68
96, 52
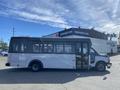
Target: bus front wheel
100, 66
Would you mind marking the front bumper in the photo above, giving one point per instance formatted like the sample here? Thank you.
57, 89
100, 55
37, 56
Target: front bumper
109, 65
7, 64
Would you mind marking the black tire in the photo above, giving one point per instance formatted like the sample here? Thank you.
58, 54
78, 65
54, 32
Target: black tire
35, 66
100, 66
5, 55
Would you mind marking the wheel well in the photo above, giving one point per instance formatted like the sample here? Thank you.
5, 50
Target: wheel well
36, 61
5, 54
100, 62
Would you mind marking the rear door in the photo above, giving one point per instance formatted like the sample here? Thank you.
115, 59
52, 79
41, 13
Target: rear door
13, 56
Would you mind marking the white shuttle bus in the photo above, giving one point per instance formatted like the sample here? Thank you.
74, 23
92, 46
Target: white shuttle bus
56, 53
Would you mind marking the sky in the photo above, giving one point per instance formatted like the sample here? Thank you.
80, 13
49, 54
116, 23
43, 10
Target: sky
42, 17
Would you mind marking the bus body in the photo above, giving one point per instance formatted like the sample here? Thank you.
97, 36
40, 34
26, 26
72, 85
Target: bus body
60, 53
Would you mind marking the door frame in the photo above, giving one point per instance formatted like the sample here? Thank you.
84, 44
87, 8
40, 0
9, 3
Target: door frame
81, 55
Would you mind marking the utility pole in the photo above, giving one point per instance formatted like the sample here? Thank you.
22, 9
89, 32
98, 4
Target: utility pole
13, 31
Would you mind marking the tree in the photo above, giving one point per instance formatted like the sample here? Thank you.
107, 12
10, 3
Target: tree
3, 45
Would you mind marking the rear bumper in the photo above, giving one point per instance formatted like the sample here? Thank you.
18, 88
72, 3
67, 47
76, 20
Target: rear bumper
7, 64
109, 65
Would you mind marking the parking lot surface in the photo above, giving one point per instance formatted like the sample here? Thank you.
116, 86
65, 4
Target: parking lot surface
23, 79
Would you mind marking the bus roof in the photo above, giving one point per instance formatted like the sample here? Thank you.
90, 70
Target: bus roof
53, 39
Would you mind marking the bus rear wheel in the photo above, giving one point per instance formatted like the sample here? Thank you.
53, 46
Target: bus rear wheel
35, 66
100, 66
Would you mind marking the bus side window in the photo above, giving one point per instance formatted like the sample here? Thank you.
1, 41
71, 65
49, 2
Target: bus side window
23, 47
59, 48
15, 48
85, 48
68, 48
78, 48
41, 47
45, 47
36, 47
50, 48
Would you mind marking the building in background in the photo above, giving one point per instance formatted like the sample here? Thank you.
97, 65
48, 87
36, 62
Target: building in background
119, 39
99, 40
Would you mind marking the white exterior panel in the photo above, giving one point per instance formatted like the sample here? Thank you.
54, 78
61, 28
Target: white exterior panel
13, 59
99, 58
62, 61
